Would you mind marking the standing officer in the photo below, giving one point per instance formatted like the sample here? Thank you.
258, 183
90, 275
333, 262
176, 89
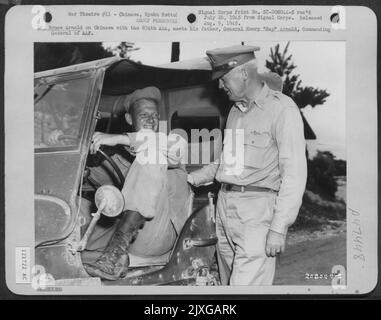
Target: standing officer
258, 203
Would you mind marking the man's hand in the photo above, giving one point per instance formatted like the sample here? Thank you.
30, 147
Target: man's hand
190, 179
100, 139
275, 243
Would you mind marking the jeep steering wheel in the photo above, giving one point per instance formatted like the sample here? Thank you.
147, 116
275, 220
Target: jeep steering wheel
115, 167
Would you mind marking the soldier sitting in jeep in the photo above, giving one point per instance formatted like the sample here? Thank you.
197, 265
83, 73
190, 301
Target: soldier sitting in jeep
154, 193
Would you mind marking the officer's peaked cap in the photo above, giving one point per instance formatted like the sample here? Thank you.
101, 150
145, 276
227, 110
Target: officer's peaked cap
225, 59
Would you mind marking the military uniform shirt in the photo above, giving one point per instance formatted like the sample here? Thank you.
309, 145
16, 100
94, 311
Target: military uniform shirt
274, 153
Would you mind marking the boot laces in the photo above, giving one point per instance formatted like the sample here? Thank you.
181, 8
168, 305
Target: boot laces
117, 247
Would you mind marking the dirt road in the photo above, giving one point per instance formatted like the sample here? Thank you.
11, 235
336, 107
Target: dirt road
312, 257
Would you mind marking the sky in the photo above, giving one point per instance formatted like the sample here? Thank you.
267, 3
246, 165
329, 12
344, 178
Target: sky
320, 64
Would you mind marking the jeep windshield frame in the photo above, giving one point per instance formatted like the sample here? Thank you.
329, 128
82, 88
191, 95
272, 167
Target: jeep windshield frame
61, 109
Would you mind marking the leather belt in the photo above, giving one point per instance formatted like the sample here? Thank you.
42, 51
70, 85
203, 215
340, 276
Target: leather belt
233, 187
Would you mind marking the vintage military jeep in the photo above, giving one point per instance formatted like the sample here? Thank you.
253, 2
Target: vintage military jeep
70, 104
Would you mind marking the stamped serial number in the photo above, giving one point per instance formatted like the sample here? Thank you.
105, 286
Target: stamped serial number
22, 264
319, 276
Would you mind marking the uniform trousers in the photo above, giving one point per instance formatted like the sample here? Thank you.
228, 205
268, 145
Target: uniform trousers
242, 222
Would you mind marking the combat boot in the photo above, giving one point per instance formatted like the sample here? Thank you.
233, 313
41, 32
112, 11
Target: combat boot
114, 261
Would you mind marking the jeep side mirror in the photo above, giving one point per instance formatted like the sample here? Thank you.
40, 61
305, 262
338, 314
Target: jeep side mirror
110, 202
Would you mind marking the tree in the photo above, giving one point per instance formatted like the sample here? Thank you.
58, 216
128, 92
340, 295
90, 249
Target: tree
323, 168
340, 168
56, 55
123, 49
282, 64
321, 175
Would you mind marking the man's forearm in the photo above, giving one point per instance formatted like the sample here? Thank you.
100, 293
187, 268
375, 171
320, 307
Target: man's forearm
107, 139
122, 139
205, 174
289, 199
293, 168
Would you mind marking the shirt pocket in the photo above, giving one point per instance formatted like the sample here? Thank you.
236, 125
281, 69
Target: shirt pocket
256, 145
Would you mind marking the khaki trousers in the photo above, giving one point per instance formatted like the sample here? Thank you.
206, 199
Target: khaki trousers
242, 223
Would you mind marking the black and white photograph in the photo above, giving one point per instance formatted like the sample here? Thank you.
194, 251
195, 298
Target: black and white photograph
190, 150
102, 212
